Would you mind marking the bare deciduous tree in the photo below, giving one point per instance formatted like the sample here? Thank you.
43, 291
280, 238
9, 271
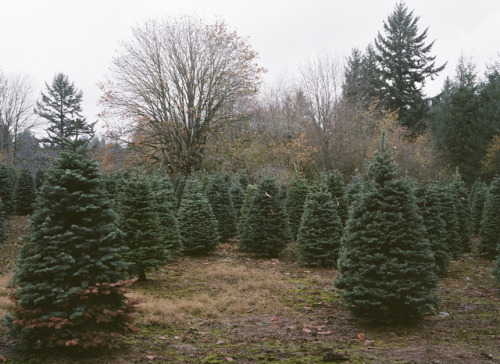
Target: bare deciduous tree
177, 80
16, 113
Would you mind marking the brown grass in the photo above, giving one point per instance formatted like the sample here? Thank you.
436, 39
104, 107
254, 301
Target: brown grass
223, 289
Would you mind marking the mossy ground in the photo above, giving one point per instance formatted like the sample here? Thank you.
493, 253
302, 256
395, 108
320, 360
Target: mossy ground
234, 307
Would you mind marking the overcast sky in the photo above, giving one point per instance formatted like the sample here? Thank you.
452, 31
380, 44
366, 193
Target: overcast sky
40, 38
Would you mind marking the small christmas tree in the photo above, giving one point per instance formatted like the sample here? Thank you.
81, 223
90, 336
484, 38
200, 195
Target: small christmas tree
70, 273
431, 211
460, 195
449, 213
237, 197
138, 219
353, 190
320, 231
295, 200
477, 205
386, 265
25, 193
336, 187
217, 192
489, 233
197, 223
266, 230
7, 190
39, 178
245, 207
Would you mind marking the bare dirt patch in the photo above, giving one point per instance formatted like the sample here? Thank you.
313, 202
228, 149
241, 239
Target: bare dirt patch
234, 307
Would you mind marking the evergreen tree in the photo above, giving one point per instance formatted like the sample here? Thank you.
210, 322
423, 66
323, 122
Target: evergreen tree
179, 185
164, 196
431, 211
25, 193
460, 195
138, 219
386, 265
237, 197
353, 190
70, 273
7, 190
404, 65
197, 223
295, 200
449, 211
218, 194
243, 180
489, 233
245, 207
61, 106
39, 178
336, 187
320, 231
266, 230
477, 204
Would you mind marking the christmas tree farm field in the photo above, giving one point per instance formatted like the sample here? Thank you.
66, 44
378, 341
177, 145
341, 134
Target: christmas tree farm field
231, 306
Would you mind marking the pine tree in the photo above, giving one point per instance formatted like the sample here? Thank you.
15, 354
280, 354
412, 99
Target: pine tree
318, 241
25, 193
489, 233
164, 198
39, 178
7, 190
404, 65
431, 211
294, 202
386, 265
61, 107
197, 223
70, 273
237, 197
217, 192
460, 195
336, 187
477, 204
449, 211
266, 230
138, 219
245, 207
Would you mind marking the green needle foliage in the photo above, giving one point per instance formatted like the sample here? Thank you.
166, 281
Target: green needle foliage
496, 268
266, 231
25, 193
197, 223
237, 197
218, 194
7, 190
245, 207
460, 195
477, 205
3, 232
138, 219
386, 265
336, 187
449, 211
294, 202
319, 236
489, 234
70, 273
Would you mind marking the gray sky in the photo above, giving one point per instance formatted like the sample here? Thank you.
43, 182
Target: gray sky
40, 38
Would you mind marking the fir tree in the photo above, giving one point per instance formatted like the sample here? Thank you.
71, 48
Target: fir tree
197, 223
489, 233
70, 273
460, 196
336, 187
39, 178
7, 190
179, 185
138, 219
449, 211
320, 231
431, 211
477, 204
405, 64
266, 230
245, 207
25, 192
217, 192
353, 189
237, 197
295, 200
61, 107
164, 196
386, 265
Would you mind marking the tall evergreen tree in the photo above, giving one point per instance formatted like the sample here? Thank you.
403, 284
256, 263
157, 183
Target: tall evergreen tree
218, 194
294, 202
70, 272
405, 63
489, 233
7, 190
61, 106
139, 220
431, 211
197, 222
318, 241
386, 265
25, 192
267, 230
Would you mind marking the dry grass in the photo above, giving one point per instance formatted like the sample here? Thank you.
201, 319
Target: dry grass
223, 289
5, 304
